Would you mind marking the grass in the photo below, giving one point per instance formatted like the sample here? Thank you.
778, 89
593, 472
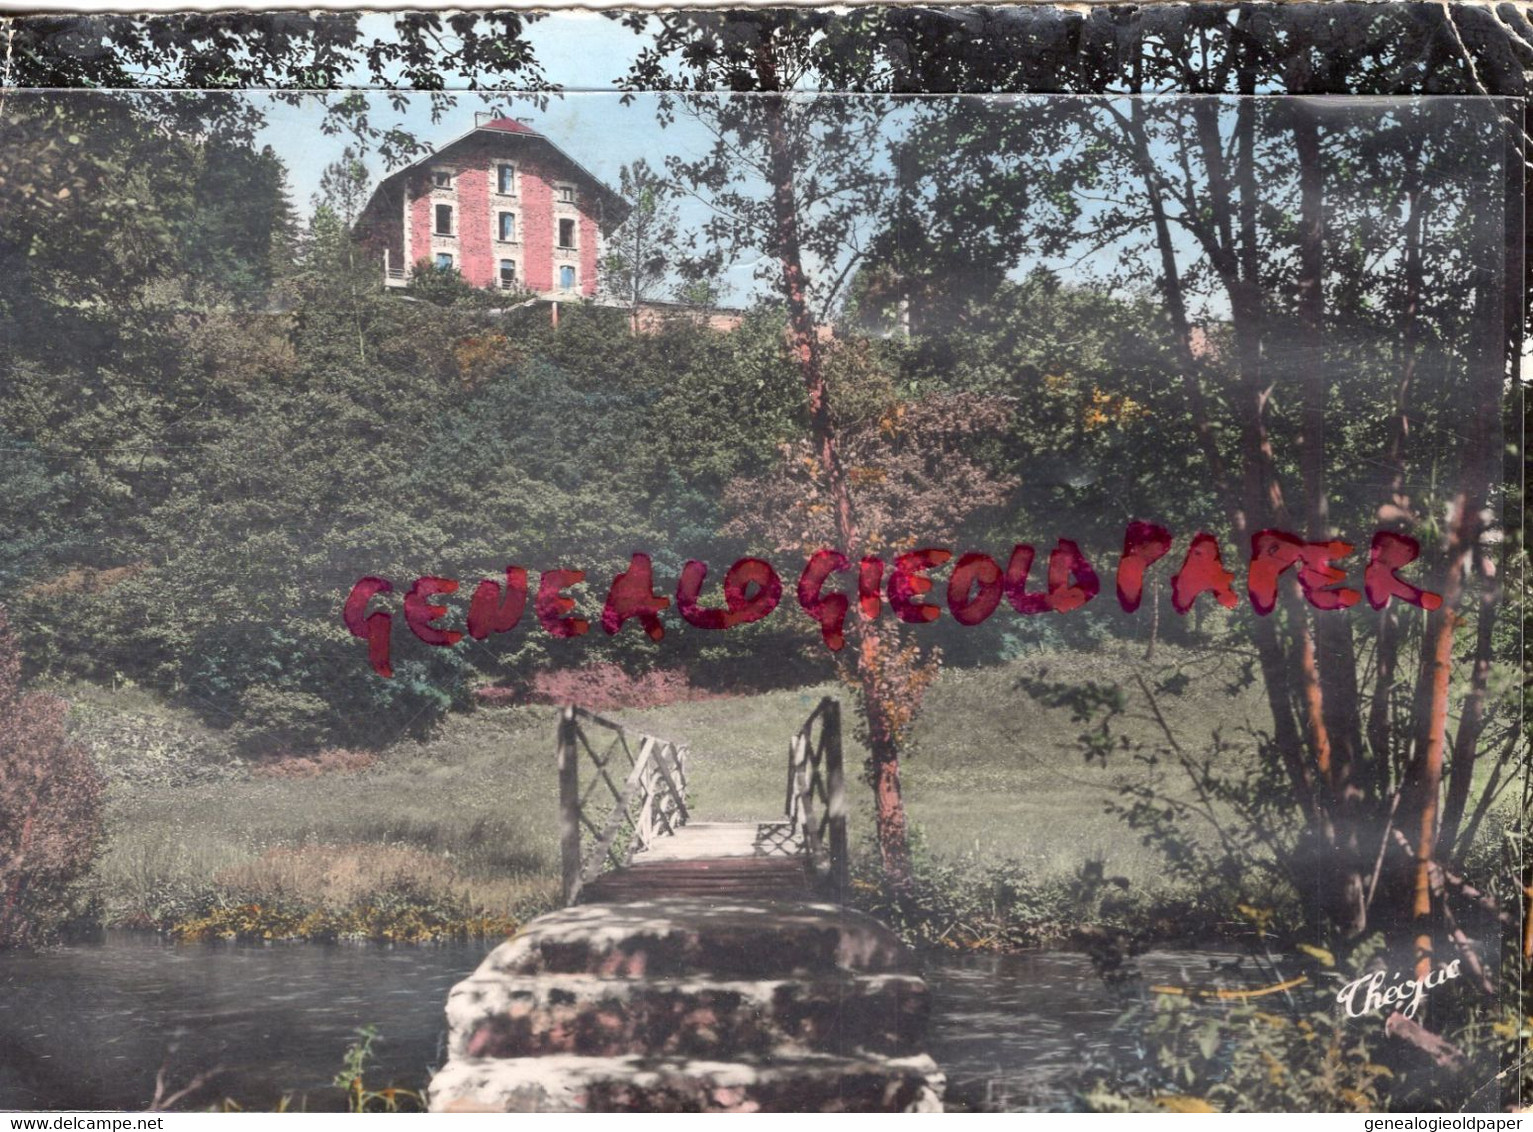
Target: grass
998, 775
470, 818
992, 774
467, 823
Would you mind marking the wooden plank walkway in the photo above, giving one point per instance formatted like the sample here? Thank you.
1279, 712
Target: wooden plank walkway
645, 844
724, 860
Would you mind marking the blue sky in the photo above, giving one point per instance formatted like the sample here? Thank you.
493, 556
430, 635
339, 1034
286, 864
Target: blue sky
583, 53
592, 127
579, 51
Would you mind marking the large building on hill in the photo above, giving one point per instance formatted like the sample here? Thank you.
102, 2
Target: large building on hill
504, 206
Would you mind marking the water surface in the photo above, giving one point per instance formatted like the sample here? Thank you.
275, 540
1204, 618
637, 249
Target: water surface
89, 1026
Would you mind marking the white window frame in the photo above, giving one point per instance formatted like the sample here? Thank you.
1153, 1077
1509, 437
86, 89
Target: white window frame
496, 189
562, 187
444, 171
516, 226
452, 219
574, 222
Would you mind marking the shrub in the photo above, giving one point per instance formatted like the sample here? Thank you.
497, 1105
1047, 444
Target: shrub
1245, 1058
972, 904
606, 687
50, 808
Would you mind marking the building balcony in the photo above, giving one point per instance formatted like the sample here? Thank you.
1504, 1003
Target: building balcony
394, 274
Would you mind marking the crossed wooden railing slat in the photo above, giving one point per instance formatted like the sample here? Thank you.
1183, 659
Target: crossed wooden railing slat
816, 802
651, 802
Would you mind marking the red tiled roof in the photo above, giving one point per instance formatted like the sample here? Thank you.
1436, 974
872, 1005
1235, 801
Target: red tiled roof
508, 126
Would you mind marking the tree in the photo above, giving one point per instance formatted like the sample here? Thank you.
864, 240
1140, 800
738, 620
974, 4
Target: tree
1254, 213
918, 481
793, 178
1281, 216
335, 272
199, 60
644, 249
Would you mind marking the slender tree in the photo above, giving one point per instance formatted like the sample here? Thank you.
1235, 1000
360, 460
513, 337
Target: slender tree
796, 178
644, 250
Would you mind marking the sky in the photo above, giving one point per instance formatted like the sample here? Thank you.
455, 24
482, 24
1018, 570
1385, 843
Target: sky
578, 51
582, 53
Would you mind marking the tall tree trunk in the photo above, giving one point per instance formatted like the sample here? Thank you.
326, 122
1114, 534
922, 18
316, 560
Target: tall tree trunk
1237, 503
1432, 688
893, 841
1291, 675
1331, 676
1471, 721
1398, 513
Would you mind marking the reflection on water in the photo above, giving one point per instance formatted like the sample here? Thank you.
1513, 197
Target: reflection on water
1011, 1030
89, 1026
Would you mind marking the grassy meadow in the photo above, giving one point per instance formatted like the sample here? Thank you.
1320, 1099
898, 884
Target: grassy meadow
466, 823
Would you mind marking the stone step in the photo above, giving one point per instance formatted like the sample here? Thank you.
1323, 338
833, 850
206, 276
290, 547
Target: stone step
508, 1016
692, 938
565, 1083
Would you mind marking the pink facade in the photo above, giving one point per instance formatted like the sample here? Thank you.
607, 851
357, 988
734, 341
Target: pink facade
503, 206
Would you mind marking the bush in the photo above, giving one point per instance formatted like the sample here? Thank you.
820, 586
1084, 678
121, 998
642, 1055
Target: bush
50, 809
607, 687
1197, 1058
972, 904
1205, 1049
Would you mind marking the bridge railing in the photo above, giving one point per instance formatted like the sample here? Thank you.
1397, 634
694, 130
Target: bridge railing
633, 790
816, 803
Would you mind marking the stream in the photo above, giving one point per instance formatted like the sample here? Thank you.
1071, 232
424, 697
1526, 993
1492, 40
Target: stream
88, 1026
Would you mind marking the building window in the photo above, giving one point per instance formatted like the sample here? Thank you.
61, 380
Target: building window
443, 261
564, 194
567, 278
507, 275
566, 233
444, 220
505, 180
441, 178
508, 226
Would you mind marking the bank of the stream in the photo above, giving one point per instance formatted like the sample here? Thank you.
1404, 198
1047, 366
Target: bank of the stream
90, 1025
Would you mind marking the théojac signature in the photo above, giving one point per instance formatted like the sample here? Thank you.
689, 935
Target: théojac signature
1363, 995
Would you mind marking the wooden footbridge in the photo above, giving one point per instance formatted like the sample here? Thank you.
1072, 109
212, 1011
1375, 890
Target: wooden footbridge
697, 966
628, 831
